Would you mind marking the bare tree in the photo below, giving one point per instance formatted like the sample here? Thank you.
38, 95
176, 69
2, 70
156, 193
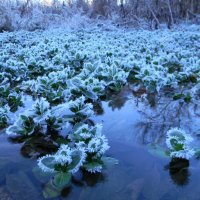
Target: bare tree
171, 21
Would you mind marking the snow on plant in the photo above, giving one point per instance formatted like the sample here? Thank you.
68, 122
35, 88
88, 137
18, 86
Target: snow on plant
88, 140
155, 78
94, 143
89, 69
63, 164
9, 97
76, 61
74, 110
179, 144
4, 91
66, 160
45, 52
14, 100
48, 88
91, 88
98, 145
33, 118
56, 123
28, 86
40, 111
24, 126
5, 77
4, 116
83, 132
41, 116
57, 119
80, 108
114, 76
52, 87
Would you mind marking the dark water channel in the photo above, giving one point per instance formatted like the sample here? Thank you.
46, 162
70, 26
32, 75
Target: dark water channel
136, 129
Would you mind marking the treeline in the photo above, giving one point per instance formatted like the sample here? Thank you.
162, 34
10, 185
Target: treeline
37, 14
155, 11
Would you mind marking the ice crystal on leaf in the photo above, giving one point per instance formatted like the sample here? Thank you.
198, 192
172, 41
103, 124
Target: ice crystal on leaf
40, 111
98, 145
93, 142
79, 107
66, 159
179, 144
4, 119
24, 126
91, 88
83, 132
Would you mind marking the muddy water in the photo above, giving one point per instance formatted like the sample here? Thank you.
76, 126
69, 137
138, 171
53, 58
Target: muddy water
136, 130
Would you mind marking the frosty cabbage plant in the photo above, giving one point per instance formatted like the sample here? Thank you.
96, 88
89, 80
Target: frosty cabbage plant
31, 119
94, 143
89, 142
62, 165
4, 92
73, 111
52, 86
24, 126
40, 110
66, 160
39, 117
179, 144
80, 108
91, 87
14, 100
4, 116
114, 76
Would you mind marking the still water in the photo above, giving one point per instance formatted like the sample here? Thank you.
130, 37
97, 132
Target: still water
136, 129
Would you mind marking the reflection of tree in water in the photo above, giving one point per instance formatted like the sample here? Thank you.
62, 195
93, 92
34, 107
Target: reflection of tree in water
98, 108
118, 100
160, 113
178, 170
117, 103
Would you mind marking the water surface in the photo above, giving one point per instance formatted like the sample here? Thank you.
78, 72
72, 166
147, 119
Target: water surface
135, 126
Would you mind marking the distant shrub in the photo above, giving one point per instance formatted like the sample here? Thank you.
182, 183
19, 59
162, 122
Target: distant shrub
32, 15
5, 20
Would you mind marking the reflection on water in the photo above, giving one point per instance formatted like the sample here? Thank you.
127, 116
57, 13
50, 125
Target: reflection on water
130, 123
87, 179
158, 117
179, 172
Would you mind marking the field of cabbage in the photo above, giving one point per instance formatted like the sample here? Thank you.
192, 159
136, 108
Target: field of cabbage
52, 81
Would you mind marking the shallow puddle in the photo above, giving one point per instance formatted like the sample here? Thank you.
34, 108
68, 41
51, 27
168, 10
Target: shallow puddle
136, 130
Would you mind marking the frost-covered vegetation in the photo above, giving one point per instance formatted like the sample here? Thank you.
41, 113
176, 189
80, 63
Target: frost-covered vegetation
179, 144
66, 73
149, 14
